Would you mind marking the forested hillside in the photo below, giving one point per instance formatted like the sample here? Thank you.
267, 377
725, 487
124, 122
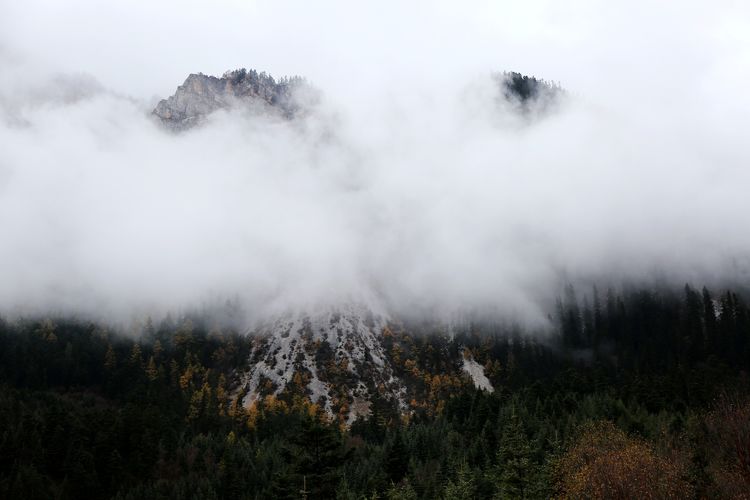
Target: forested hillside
641, 394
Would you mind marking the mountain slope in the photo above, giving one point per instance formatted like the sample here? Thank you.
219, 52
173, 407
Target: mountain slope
340, 357
334, 356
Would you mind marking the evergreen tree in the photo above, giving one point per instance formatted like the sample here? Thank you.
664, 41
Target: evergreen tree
397, 458
514, 468
463, 487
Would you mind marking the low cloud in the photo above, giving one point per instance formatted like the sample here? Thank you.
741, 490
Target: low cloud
417, 193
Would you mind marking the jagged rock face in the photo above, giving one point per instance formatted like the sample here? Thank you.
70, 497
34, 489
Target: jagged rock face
334, 356
345, 358
201, 95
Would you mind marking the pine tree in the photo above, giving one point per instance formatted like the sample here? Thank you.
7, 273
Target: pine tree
693, 324
598, 320
110, 359
514, 468
401, 491
397, 458
316, 452
463, 488
709, 320
136, 356
152, 372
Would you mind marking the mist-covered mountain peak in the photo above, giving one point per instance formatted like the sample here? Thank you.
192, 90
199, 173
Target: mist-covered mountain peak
201, 95
528, 93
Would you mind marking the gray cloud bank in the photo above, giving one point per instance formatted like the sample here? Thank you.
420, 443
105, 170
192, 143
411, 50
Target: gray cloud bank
414, 189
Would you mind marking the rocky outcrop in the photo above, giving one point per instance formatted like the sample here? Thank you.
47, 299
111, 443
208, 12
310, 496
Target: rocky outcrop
334, 356
201, 95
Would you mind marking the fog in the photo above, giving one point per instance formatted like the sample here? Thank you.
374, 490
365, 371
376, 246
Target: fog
409, 187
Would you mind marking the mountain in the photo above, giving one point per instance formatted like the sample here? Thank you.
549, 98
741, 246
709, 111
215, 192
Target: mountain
201, 95
342, 357
290, 97
660, 404
335, 355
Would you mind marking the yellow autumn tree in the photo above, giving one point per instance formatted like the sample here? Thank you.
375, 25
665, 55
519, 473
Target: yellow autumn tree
607, 463
728, 446
152, 372
252, 416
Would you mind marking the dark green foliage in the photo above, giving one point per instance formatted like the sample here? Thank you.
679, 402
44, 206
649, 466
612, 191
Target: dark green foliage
527, 91
85, 413
524, 87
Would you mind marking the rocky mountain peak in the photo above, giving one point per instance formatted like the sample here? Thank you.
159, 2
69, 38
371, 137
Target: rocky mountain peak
201, 95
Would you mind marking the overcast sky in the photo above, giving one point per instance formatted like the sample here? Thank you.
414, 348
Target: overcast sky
144, 47
408, 184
